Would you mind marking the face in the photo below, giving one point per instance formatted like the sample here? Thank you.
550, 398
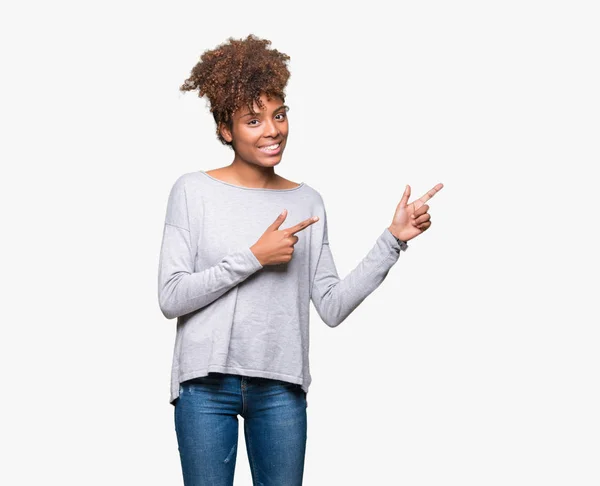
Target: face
259, 138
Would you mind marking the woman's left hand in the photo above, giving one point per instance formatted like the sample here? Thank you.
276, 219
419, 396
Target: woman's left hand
411, 219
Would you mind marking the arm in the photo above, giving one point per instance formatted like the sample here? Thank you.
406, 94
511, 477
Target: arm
335, 298
180, 290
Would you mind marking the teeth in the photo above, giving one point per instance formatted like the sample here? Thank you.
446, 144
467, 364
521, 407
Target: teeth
270, 147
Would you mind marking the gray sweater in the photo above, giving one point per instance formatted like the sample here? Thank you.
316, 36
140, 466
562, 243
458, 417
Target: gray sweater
235, 315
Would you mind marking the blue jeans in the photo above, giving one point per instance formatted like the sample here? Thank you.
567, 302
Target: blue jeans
275, 426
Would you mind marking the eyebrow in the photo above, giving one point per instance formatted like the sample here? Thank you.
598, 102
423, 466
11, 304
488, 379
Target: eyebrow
259, 114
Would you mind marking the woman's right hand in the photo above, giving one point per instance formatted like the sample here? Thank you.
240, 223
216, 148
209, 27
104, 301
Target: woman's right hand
277, 246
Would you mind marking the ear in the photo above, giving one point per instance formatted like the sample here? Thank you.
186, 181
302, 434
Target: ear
225, 132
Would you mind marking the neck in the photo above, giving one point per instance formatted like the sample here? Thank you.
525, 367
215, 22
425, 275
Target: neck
251, 175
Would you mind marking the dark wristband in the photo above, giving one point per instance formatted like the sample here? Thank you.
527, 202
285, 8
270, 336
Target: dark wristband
403, 244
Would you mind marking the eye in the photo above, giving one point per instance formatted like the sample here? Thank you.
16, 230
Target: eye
250, 122
283, 115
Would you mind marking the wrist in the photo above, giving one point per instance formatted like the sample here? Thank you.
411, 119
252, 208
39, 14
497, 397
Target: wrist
403, 243
394, 232
257, 255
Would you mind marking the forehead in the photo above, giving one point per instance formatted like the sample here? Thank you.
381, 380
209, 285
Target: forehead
268, 105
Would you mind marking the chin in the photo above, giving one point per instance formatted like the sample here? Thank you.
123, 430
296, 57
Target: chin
274, 159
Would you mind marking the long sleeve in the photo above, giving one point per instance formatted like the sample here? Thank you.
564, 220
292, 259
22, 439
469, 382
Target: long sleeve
335, 298
180, 289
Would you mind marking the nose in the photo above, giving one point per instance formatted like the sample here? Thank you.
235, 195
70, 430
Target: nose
271, 129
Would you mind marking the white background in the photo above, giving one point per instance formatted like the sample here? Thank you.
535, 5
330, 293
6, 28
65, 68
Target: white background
475, 363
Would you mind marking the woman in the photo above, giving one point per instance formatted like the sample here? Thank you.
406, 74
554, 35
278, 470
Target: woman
243, 254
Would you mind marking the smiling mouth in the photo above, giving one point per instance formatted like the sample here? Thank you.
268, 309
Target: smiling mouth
269, 149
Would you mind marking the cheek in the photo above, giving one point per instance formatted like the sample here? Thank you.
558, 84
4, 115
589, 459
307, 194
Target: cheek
246, 136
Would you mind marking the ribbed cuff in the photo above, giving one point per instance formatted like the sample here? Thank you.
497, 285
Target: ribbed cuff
396, 243
251, 259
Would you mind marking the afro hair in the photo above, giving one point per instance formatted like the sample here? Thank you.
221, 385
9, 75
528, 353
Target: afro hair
236, 73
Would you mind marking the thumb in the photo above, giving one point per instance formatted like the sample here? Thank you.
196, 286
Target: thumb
278, 221
405, 196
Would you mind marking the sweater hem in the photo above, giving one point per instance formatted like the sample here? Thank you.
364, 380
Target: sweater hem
238, 371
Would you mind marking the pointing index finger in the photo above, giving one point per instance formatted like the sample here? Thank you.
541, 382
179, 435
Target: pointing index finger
432, 192
303, 224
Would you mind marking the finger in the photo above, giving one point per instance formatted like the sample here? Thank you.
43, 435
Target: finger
432, 192
405, 196
278, 221
424, 226
422, 219
303, 224
421, 211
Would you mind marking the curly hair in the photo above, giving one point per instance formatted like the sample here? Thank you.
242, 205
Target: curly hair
235, 74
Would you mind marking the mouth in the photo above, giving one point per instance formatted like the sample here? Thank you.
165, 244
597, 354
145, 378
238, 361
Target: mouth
272, 149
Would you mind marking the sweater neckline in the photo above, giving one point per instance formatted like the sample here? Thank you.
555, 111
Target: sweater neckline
251, 188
